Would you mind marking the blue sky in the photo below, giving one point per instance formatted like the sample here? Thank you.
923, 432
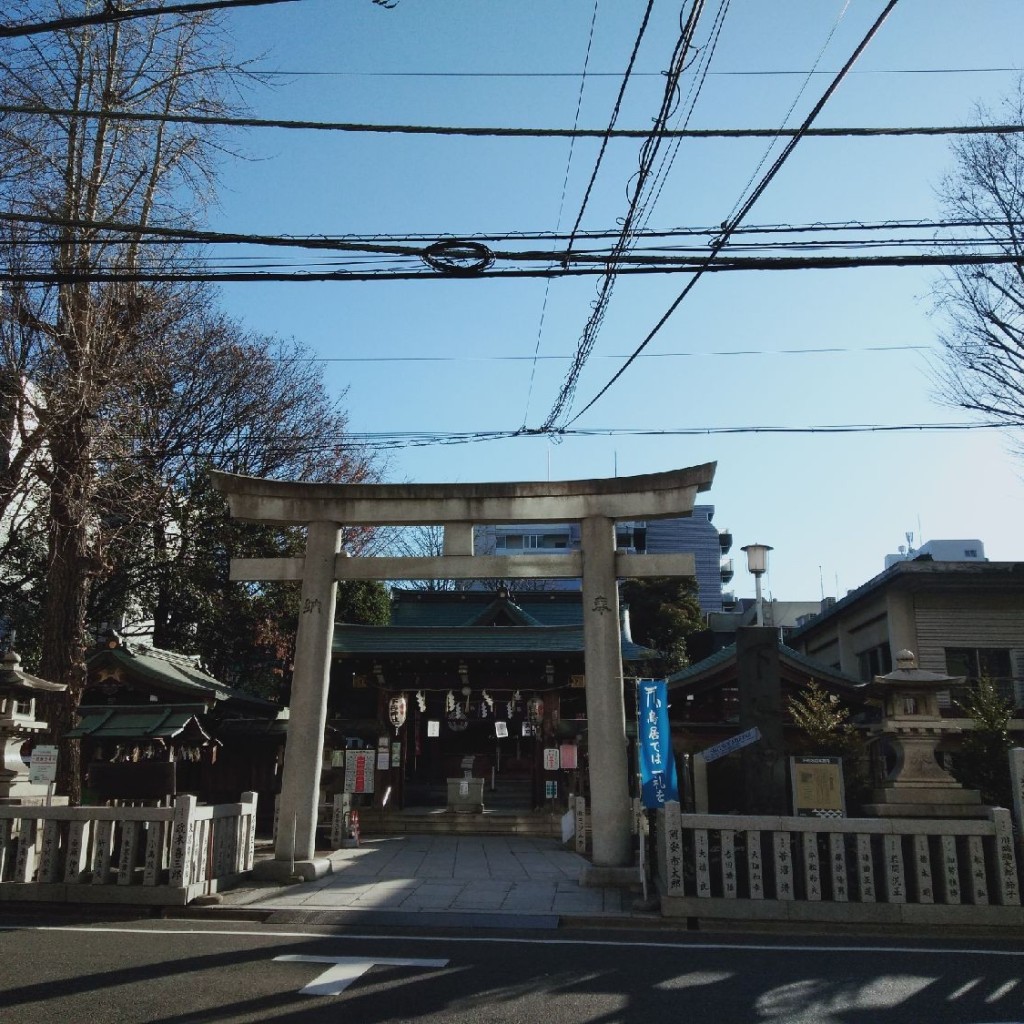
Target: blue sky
467, 355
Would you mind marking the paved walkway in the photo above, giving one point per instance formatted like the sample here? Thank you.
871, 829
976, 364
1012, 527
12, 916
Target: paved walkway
446, 879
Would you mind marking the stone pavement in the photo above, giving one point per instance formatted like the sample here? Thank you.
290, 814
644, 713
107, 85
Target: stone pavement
434, 880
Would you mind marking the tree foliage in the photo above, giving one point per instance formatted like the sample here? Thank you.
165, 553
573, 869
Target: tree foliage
117, 397
982, 762
826, 730
823, 720
663, 612
71, 176
983, 306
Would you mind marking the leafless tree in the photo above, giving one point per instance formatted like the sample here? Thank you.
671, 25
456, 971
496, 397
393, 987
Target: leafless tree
74, 169
208, 394
983, 306
425, 541
428, 542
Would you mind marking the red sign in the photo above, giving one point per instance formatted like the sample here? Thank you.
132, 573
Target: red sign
359, 771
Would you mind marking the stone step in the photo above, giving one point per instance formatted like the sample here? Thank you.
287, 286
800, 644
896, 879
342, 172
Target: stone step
374, 821
508, 794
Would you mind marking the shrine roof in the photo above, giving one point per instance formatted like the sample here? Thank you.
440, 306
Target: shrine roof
484, 607
166, 722
170, 670
720, 667
469, 640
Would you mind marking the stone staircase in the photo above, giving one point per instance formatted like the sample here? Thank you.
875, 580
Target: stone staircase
509, 795
507, 811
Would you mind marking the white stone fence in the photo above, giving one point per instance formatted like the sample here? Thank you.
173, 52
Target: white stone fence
882, 870
147, 855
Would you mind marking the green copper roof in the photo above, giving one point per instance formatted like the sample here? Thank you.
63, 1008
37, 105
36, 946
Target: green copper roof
170, 670
136, 723
708, 668
475, 607
470, 640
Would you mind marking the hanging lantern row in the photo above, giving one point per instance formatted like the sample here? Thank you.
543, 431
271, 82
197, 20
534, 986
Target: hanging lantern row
398, 707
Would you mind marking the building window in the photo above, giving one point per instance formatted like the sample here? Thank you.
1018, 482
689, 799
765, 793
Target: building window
876, 661
983, 662
532, 541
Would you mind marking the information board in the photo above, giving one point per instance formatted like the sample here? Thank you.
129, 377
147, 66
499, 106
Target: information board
42, 767
817, 787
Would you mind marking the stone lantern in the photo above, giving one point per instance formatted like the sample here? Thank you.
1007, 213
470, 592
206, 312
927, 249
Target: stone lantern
19, 692
917, 786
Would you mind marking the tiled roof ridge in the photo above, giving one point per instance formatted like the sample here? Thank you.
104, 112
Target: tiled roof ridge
190, 662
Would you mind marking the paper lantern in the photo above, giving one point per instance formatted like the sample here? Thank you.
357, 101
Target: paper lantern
396, 711
535, 711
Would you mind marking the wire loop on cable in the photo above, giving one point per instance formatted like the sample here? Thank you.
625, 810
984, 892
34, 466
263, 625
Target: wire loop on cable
461, 258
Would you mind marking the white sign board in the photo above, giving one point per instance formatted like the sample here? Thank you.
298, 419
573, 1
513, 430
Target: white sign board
42, 768
568, 825
733, 743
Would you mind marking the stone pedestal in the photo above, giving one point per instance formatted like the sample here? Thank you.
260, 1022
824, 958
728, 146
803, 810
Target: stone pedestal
466, 796
918, 787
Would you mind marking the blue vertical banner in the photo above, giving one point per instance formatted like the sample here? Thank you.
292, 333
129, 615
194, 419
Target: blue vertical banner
658, 782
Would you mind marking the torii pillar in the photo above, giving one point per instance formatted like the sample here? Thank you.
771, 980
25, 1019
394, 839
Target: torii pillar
324, 508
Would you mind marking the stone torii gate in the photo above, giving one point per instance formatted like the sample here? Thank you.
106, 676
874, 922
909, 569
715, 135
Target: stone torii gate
325, 508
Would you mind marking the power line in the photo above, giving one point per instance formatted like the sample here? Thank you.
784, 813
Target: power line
644, 179
616, 107
411, 244
561, 208
508, 132
112, 14
650, 265
391, 440
735, 221
746, 73
725, 353
796, 99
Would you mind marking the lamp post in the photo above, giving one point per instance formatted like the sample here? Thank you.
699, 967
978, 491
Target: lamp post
757, 563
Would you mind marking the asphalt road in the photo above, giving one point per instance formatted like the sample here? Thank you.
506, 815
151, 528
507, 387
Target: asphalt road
187, 972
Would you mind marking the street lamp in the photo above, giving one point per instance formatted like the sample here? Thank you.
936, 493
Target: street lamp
757, 563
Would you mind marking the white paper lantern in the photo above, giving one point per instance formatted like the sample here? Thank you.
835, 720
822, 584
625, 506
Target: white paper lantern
396, 711
535, 711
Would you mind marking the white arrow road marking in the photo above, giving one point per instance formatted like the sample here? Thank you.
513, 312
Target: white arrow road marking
346, 969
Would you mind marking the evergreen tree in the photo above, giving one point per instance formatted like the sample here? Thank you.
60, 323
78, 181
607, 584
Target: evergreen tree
663, 612
982, 762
